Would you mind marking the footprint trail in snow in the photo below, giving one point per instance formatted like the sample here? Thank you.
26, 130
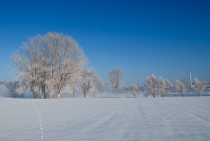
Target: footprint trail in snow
40, 121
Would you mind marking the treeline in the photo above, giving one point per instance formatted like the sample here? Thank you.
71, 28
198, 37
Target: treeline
154, 86
48, 64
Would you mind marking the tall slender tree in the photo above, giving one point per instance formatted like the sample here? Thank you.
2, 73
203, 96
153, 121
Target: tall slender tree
116, 79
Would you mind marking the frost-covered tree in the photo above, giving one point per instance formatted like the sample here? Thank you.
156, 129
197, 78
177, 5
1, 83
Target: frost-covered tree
89, 82
86, 82
199, 86
49, 61
169, 86
116, 79
151, 83
99, 84
27, 61
72, 87
74, 84
180, 87
134, 90
32, 61
50, 87
161, 86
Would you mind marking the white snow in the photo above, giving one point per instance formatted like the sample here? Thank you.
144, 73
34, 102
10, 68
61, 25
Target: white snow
115, 119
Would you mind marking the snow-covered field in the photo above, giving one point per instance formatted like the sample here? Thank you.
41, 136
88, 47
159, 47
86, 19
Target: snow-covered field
116, 119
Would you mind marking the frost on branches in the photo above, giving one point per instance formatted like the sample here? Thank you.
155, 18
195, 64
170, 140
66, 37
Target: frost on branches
199, 86
180, 86
151, 83
51, 61
156, 86
116, 79
134, 90
161, 86
169, 86
90, 82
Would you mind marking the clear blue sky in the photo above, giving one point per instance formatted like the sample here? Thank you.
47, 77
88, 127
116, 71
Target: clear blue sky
166, 38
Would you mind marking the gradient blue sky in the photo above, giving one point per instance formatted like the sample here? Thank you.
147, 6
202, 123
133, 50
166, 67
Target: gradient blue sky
166, 38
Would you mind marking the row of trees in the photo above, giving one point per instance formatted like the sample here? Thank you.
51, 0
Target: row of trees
48, 64
160, 86
51, 63
155, 86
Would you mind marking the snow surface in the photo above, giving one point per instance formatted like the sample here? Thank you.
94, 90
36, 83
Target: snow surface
115, 119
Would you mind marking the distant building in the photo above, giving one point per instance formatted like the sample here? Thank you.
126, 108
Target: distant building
191, 85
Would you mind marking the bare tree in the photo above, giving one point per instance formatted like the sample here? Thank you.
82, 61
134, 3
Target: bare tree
134, 90
151, 83
116, 79
199, 86
180, 87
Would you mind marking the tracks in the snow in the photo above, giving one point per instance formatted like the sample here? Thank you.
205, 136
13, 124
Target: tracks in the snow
40, 121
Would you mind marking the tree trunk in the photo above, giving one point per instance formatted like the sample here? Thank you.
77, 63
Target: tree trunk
59, 95
73, 92
84, 95
50, 96
42, 93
